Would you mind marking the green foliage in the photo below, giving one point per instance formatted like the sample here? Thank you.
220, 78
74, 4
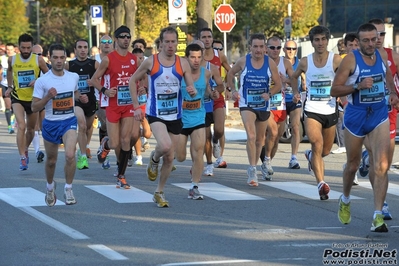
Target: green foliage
13, 21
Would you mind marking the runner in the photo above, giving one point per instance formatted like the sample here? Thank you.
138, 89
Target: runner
56, 92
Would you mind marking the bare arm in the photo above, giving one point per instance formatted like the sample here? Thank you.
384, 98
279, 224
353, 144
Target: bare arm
347, 67
42, 65
302, 67
275, 77
95, 80
188, 79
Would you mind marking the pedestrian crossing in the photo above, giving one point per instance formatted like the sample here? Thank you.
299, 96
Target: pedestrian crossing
30, 197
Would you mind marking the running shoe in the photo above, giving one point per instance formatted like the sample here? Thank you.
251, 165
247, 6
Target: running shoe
138, 160
121, 183
194, 193
152, 168
82, 163
308, 155
159, 199
144, 144
324, 189
252, 176
39, 156
102, 152
88, 153
385, 211
69, 197
174, 168
50, 197
106, 165
23, 165
364, 164
265, 174
344, 211
208, 170
11, 130
339, 150
216, 150
219, 163
294, 164
378, 224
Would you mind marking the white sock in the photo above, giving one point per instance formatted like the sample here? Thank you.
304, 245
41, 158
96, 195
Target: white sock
50, 186
68, 185
36, 142
346, 200
193, 184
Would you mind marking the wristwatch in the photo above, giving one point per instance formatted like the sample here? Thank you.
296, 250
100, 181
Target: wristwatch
356, 86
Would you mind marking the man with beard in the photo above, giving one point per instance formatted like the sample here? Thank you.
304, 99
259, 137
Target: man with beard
23, 70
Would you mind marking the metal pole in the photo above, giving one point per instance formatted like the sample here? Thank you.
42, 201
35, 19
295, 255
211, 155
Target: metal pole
89, 27
38, 21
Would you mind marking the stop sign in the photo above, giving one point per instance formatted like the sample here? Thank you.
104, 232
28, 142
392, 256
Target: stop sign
225, 18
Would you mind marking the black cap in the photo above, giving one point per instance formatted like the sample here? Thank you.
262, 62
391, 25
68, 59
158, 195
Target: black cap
121, 29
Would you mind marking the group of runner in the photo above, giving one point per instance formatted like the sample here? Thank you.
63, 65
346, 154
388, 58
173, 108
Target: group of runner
181, 97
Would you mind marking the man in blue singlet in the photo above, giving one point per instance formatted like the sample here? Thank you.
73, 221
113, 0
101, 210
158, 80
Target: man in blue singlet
363, 76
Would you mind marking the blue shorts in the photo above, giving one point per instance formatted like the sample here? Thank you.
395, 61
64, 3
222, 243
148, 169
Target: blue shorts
53, 131
360, 121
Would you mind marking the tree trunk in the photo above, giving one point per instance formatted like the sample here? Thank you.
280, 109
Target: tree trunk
119, 13
130, 15
111, 8
204, 14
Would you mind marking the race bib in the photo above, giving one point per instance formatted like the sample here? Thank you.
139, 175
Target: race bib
142, 99
254, 98
320, 90
192, 105
83, 85
123, 96
63, 103
24, 78
374, 94
276, 99
167, 103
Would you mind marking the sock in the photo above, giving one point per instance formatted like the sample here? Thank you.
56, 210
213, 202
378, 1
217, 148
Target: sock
267, 158
193, 184
375, 213
123, 157
36, 142
50, 186
345, 200
320, 184
144, 139
293, 157
8, 114
68, 185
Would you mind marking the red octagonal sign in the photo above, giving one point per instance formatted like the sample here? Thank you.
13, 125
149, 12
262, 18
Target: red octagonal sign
225, 18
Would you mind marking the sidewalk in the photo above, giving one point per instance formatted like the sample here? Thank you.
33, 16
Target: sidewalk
233, 117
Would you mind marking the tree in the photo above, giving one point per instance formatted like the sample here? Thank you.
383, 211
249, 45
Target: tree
13, 20
204, 14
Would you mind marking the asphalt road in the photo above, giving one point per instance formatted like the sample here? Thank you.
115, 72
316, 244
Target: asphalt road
278, 223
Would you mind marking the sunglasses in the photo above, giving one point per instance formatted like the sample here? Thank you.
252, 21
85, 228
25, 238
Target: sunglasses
106, 41
220, 49
290, 48
272, 47
39, 54
381, 33
124, 37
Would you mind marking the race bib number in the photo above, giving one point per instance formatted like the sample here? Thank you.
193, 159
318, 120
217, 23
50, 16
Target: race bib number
374, 94
63, 103
320, 90
24, 78
167, 103
275, 100
254, 98
123, 96
83, 85
142, 99
192, 105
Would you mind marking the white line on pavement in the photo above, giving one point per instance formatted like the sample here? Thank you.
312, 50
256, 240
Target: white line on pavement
107, 252
54, 223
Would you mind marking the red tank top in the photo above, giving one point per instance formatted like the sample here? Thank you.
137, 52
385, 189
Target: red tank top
216, 60
392, 67
117, 75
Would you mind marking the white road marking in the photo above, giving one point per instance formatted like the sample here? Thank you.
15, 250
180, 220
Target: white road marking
234, 134
392, 188
208, 262
24, 196
132, 195
303, 189
219, 192
54, 223
325, 227
107, 252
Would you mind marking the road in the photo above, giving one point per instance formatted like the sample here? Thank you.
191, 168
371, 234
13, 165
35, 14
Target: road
281, 222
